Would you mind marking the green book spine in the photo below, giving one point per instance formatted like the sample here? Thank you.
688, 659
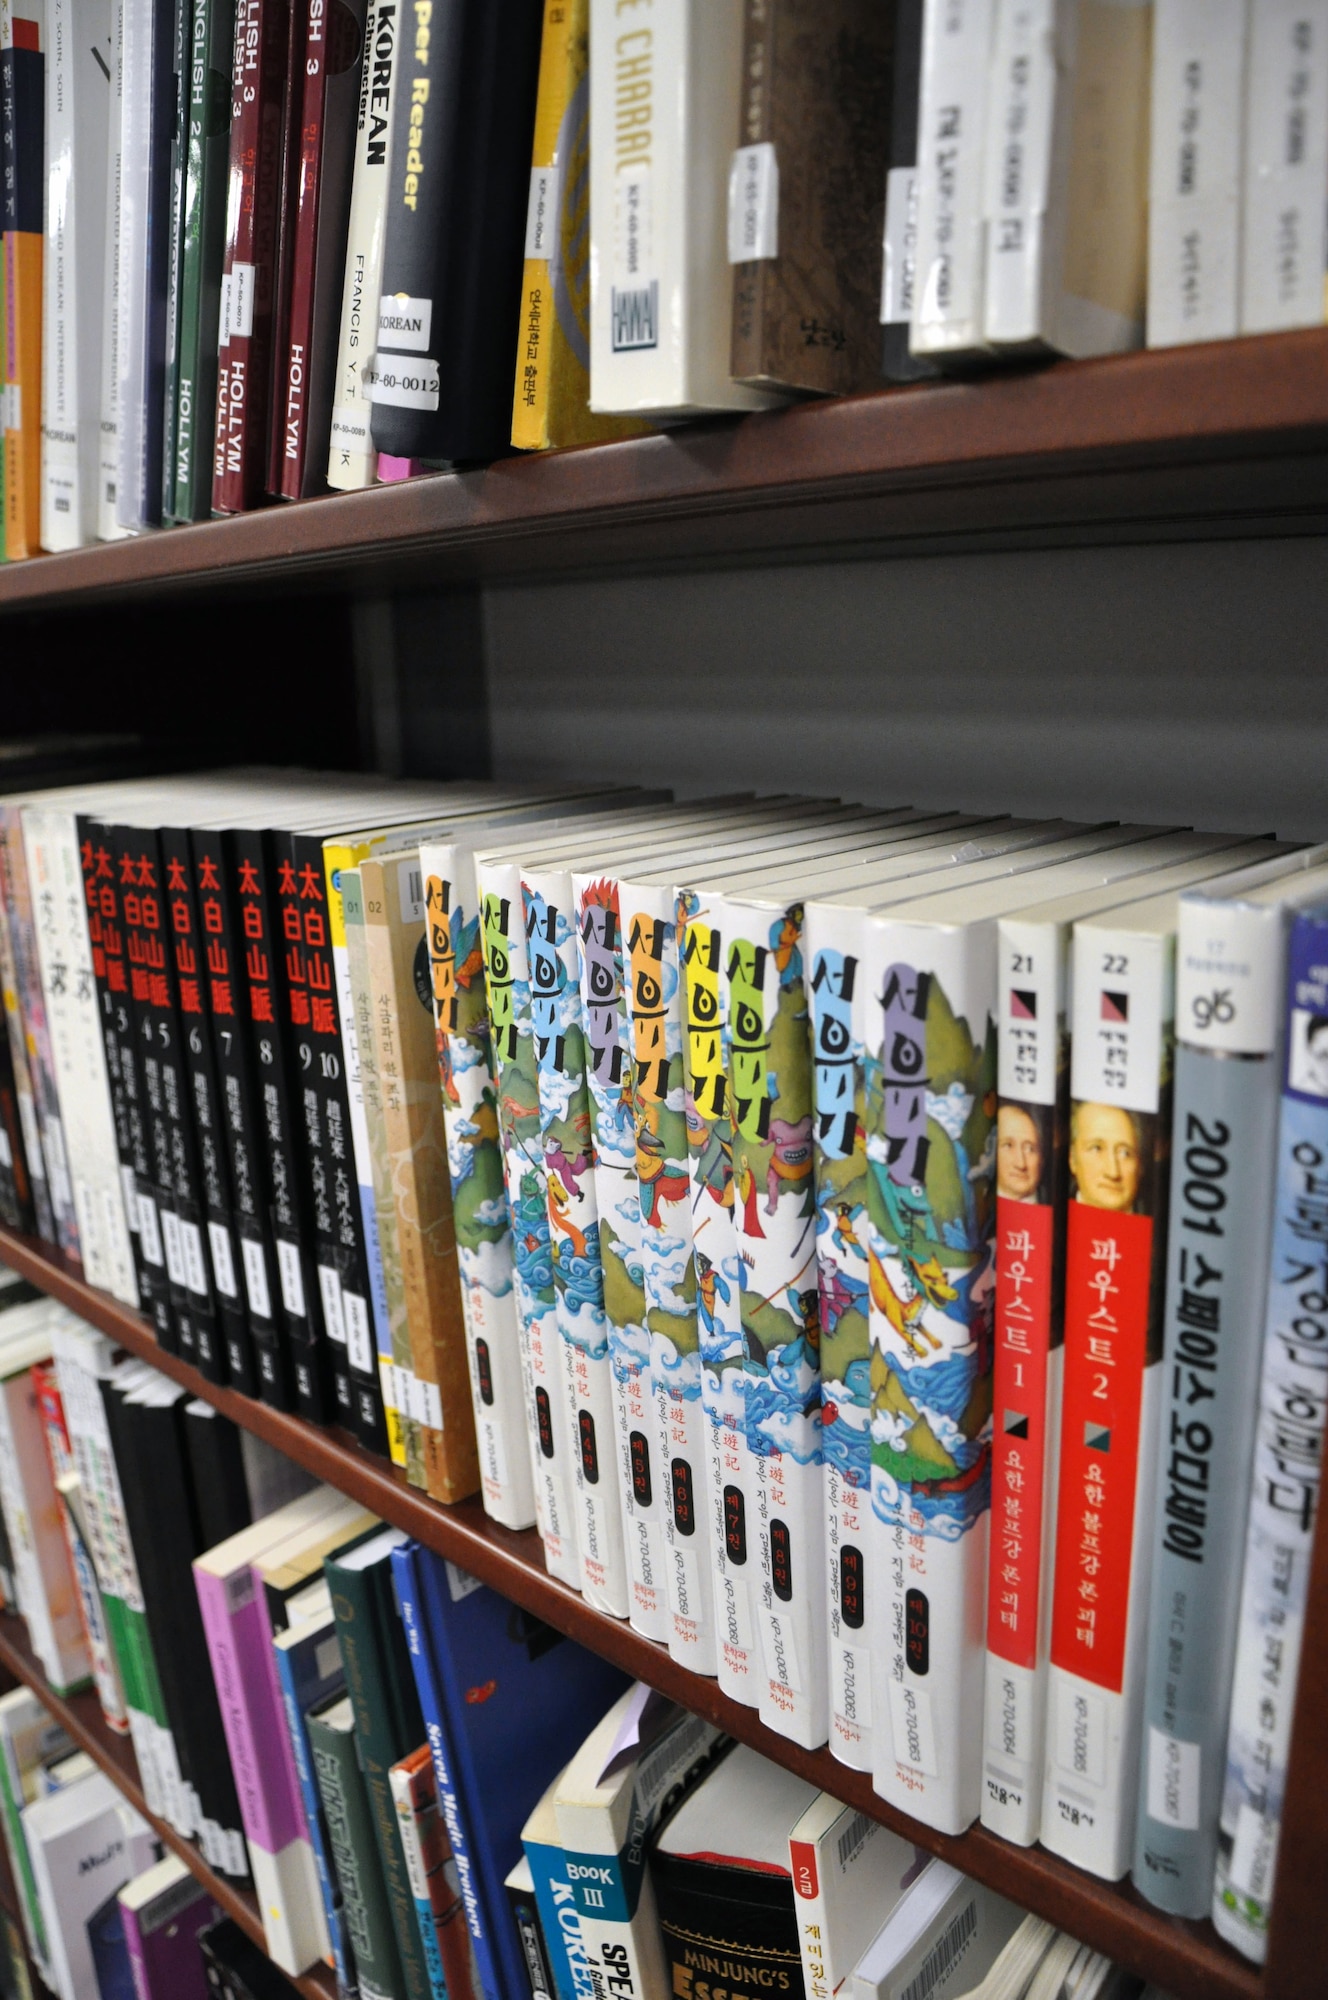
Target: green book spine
20, 1859
350, 1830
202, 250
181, 85
378, 1676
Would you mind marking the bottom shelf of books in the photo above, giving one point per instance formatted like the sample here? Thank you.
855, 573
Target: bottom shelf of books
377, 1643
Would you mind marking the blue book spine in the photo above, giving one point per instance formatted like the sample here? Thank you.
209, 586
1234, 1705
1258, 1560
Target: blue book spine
406, 1575
556, 1903
303, 1686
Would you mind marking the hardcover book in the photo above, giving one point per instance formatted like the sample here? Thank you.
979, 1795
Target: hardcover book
350, 1828
147, 128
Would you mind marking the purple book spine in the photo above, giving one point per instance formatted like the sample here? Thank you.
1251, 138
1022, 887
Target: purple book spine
239, 1640
166, 1961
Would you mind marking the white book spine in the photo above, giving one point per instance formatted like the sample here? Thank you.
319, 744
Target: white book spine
108, 525
774, 1220
838, 999
131, 467
652, 974
1286, 166
664, 116
1022, 113
948, 313
1123, 986
62, 508
28, 1579
507, 976
932, 1284
609, 1073
1198, 115
719, 1297
501, 1389
1033, 978
352, 460
553, 956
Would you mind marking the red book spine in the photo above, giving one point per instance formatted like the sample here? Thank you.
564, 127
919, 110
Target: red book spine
304, 256
287, 205
248, 273
1025, 1234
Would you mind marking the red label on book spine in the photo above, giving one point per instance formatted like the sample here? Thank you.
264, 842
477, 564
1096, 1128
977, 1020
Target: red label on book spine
1024, 1239
1108, 1268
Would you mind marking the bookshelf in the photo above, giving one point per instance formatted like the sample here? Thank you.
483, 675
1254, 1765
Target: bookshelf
1187, 1959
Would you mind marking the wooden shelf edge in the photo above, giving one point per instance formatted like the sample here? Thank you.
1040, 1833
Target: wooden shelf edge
1153, 408
80, 1714
1187, 1959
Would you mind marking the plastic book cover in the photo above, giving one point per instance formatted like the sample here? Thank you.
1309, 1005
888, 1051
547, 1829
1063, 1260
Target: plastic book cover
948, 317
24, 1086
435, 1883
1286, 89
310, 1673
22, 119
60, 1458
566, 1131
551, 405
1196, 123
351, 457
211, 49
345, 1804
162, 1912
899, 267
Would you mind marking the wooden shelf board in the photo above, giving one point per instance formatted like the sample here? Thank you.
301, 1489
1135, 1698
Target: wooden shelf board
82, 1717
1124, 439
1187, 1959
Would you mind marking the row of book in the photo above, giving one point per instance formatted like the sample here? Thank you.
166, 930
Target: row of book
786, 1189
256, 250
397, 1755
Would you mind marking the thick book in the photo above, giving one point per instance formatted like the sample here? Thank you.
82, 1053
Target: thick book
351, 460
211, 54
334, 56
22, 123
463, 107
723, 1879
1223, 1178
1065, 245
492, 1759
353, 1848
814, 120
555, 1901
148, 107
1196, 157
78, 72
162, 1911
848, 1872
664, 110
551, 398
85, 1842
248, 280
942, 1938
900, 262
1288, 1454
1285, 164
309, 1670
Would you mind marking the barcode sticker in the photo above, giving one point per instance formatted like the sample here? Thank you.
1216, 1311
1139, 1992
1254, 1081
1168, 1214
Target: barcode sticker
404, 324
948, 1949
753, 203
255, 1278
634, 293
223, 1263
238, 301
860, 1829
406, 384
542, 211
410, 890
292, 1278
901, 246
1173, 1780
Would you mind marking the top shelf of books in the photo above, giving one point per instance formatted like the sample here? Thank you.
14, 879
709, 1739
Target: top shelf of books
1225, 434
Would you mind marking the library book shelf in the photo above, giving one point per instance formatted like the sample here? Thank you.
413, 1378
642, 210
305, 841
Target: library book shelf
388, 630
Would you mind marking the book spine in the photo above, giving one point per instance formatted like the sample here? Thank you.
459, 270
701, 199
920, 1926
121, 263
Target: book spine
607, 1026
239, 1089
108, 526
110, 969
1195, 170
710, 1140
838, 1001
421, 1183
15, 1188
500, 1388
24, 1087
22, 113
1223, 1170
27, 965
352, 460
1029, 74
948, 312
1027, 1375
408, 1805
373, 1706
211, 57
930, 1286
179, 155
406, 1563
446, 1911
75, 136
305, 200
299, 1693
525, 1917
560, 78
376, 1973
300, 1297
559, 1923
1286, 163
503, 941
47, 1589
148, 104
1120, 1129
651, 974
1292, 1409
201, 1115
900, 261
771, 1095
248, 271
287, 208
392, 1337
60, 1458
303, 897
565, 1129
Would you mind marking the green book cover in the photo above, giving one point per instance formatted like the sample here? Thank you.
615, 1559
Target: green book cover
202, 250
350, 1830
388, 1723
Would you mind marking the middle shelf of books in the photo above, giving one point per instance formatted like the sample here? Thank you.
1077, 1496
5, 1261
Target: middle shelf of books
833, 1243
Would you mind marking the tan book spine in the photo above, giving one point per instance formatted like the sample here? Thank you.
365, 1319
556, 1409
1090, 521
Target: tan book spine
417, 1155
